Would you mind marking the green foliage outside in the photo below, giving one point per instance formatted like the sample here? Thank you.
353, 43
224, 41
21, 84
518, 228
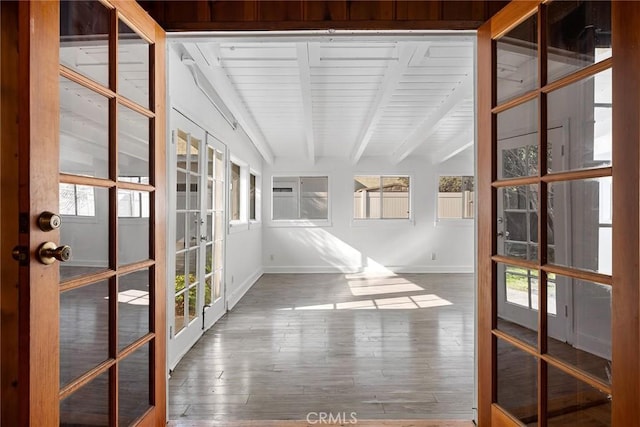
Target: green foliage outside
455, 184
181, 284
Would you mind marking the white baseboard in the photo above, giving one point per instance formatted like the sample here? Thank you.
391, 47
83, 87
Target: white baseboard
358, 269
239, 292
593, 345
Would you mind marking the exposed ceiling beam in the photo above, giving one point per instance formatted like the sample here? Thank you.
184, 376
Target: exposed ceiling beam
211, 68
433, 121
387, 88
307, 105
454, 147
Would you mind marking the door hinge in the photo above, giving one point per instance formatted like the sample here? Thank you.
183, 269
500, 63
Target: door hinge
23, 223
170, 332
566, 311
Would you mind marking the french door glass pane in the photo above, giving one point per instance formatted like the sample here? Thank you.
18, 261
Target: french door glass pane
91, 402
207, 290
84, 211
134, 392
84, 135
586, 105
591, 310
133, 307
133, 227
84, 324
517, 383
518, 141
518, 221
133, 65
84, 38
574, 403
133, 143
580, 215
517, 60
569, 51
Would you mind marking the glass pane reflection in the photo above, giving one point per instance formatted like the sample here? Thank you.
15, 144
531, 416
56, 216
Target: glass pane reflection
517, 383
518, 141
84, 131
574, 403
133, 307
133, 143
84, 330
517, 60
518, 221
590, 308
579, 34
584, 140
91, 402
85, 227
134, 386
580, 219
133, 65
84, 38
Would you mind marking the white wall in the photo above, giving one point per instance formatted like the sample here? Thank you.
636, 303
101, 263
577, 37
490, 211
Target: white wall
345, 245
244, 243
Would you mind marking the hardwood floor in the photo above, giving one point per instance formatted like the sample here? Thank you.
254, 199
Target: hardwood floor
397, 347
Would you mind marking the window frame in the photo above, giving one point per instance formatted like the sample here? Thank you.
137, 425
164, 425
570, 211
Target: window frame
301, 222
461, 220
256, 196
242, 223
368, 221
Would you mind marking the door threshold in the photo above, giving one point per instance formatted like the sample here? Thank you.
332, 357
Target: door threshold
315, 423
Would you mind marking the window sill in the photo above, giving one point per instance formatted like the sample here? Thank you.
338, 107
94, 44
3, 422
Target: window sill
300, 223
382, 222
455, 222
238, 227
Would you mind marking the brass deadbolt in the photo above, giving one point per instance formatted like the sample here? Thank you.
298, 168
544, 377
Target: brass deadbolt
48, 221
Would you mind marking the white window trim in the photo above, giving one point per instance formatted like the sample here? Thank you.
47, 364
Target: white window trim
363, 222
455, 222
242, 224
257, 222
300, 222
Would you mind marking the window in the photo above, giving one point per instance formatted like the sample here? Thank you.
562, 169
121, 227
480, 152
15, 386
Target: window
381, 197
304, 197
77, 200
133, 204
235, 192
455, 197
252, 197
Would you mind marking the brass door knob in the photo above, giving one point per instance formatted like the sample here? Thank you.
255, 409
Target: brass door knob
48, 253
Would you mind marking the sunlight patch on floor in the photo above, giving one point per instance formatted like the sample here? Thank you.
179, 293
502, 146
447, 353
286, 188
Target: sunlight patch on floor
397, 303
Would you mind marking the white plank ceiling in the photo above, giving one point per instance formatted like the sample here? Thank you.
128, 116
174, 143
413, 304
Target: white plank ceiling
346, 98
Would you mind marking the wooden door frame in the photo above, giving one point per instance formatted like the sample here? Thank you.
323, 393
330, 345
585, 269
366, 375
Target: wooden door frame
626, 210
29, 344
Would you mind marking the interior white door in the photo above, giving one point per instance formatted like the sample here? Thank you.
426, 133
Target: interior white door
518, 237
214, 174
196, 217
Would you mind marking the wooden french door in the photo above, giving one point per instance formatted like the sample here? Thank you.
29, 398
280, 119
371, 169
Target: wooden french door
92, 184
560, 211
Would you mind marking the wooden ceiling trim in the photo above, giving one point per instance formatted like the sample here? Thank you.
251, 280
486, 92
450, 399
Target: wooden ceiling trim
242, 15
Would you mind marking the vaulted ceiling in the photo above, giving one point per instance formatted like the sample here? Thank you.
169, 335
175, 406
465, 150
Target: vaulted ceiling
344, 96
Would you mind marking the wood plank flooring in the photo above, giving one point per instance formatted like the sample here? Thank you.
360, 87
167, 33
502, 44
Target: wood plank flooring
386, 347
